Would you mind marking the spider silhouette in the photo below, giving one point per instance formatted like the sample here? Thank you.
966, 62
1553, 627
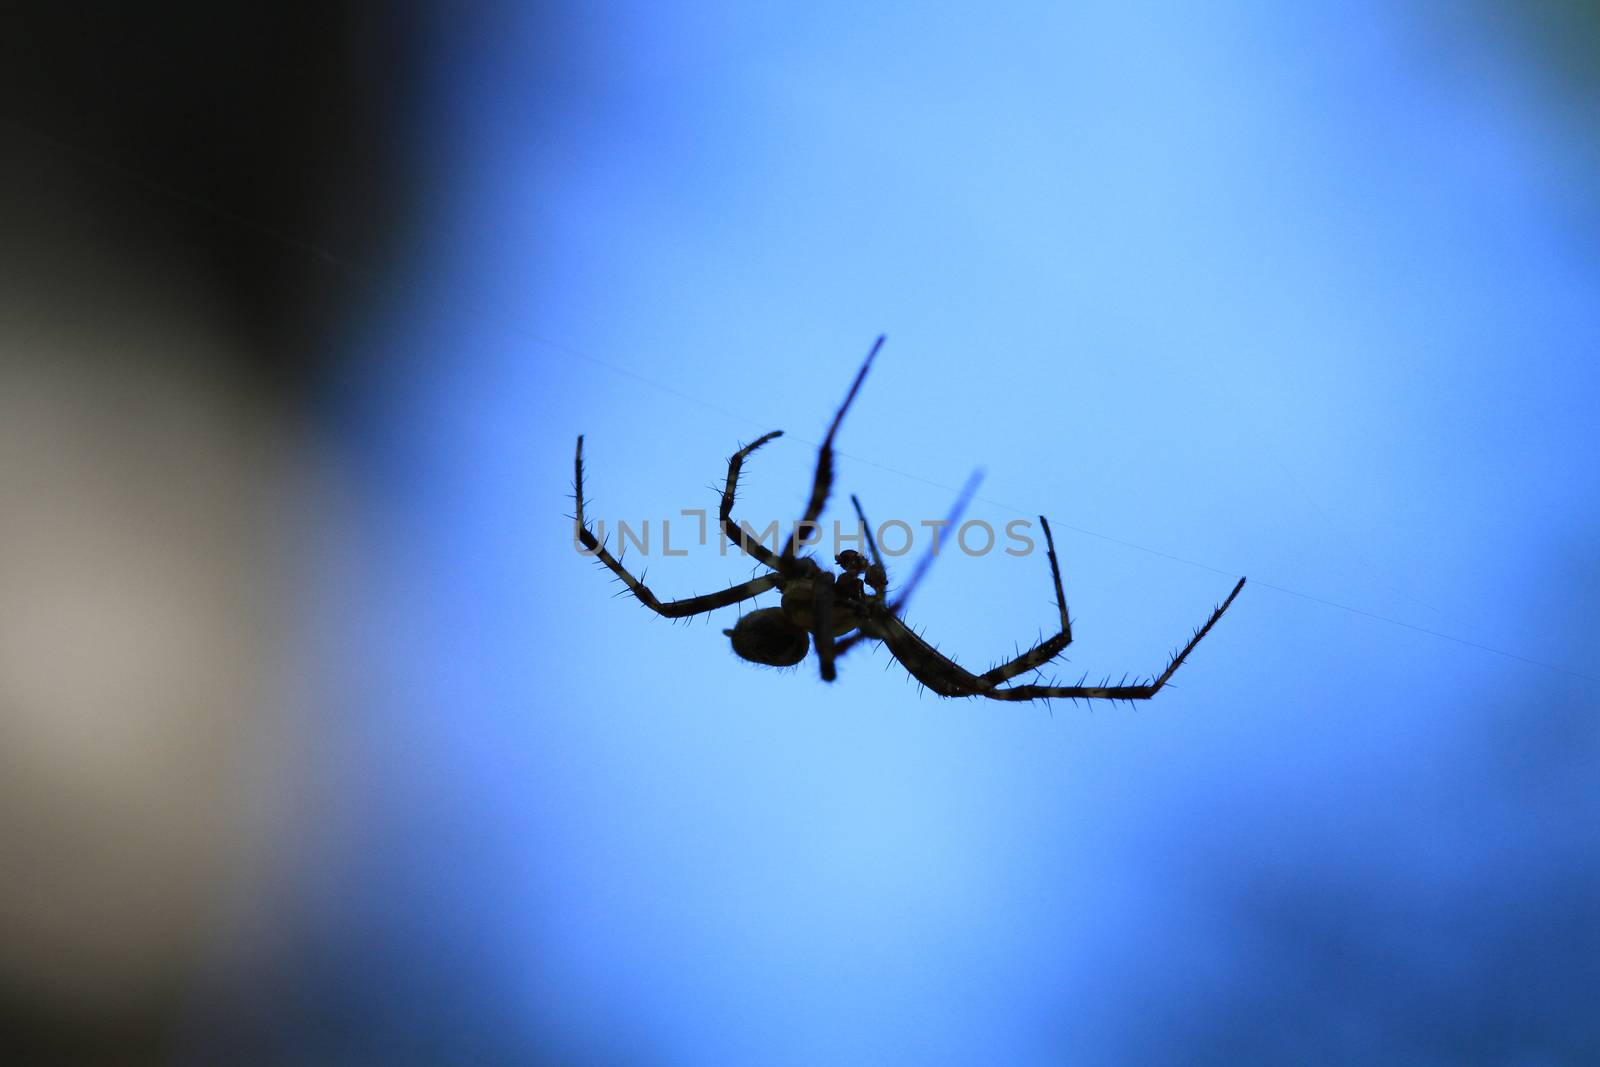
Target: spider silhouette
835, 612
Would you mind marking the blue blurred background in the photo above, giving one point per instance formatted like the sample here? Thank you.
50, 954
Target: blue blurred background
1301, 292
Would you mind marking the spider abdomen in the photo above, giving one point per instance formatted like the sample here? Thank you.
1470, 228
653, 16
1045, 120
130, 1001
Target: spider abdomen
767, 636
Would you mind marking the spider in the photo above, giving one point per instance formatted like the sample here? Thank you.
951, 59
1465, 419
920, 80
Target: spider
835, 612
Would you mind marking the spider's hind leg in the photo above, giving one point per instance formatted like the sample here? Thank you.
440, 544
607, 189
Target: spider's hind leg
672, 609
749, 545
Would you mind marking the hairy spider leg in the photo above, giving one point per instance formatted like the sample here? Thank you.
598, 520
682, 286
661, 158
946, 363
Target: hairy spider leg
822, 624
947, 678
1051, 647
1115, 692
672, 609
749, 545
897, 605
903, 597
823, 482
846, 644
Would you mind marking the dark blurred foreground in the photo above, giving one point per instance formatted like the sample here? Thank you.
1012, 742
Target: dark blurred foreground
162, 330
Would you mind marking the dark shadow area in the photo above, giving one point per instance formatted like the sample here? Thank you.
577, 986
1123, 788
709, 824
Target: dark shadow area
233, 142
163, 324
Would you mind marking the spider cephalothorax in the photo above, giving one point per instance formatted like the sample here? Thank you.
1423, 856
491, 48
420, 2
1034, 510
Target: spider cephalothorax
779, 637
835, 612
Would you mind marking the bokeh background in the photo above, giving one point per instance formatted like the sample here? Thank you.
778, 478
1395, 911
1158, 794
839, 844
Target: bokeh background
319, 743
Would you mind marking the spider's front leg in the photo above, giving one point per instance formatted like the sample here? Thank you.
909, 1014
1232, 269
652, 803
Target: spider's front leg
1116, 692
1051, 647
946, 675
948, 678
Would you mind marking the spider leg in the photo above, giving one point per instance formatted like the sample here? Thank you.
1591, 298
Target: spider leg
866, 530
1050, 648
954, 520
847, 643
921, 660
947, 678
897, 605
822, 625
1115, 692
751, 546
823, 482
672, 609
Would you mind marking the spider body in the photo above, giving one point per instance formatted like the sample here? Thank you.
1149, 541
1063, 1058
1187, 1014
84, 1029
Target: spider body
834, 612
769, 637
780, 636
